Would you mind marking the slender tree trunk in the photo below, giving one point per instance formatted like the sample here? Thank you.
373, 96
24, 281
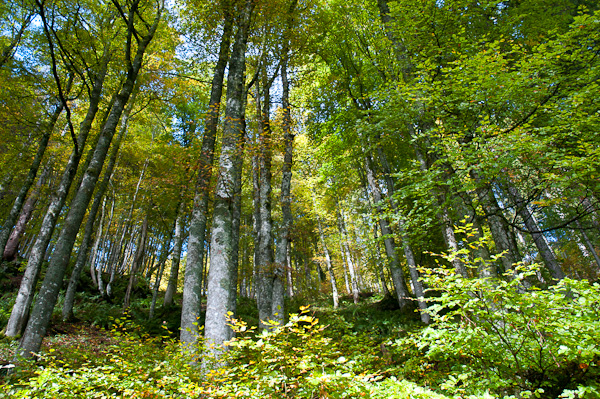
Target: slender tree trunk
13, 215
345, 267
265, 256
381, 274
137, 262
290, 282
277, 308
533, 228
99, 270
216, 329
174, 274
165, 252
192, 287
589, 245
48, 295
390, 246
7, 52
498, 226
83, 253
346, 250
12, 246
121, 260
93, 258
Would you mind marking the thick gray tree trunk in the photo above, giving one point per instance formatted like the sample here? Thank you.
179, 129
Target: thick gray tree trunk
281, 250
237, 217
48, 295
216, 330
192, 286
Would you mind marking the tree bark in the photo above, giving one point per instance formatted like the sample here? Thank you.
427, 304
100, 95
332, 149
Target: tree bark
84, 248
498, 226
265, 256
165, 252
589, 245
137, 262
176, 259
7, 52
216, 330
533, 228
192, 286
402, 294
12, 246
11, 219
380, 272
346, 250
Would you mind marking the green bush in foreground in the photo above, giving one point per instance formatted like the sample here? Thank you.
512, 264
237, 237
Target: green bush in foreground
493, 335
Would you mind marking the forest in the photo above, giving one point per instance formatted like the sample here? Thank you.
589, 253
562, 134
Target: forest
300, 199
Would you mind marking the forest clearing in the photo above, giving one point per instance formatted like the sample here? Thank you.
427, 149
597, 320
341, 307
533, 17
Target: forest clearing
300, 199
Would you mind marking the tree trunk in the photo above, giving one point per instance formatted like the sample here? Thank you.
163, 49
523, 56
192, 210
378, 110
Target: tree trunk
12, 246
216, 330
346, 250
380, 272
500, 230
265, 256
589, 245
277, 307
11, 219
83, 253
7, 52
137, 262
344, 267
533, 228
192, 286
237, 215
176, 259
288, 268
165, 252
48, 295
388, 240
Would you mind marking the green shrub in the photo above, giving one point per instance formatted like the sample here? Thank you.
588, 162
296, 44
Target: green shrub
491, 334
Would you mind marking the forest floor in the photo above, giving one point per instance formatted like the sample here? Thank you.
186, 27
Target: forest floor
365, 350
104, 353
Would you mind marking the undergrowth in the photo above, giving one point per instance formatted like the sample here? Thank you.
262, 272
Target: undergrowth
488, 338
